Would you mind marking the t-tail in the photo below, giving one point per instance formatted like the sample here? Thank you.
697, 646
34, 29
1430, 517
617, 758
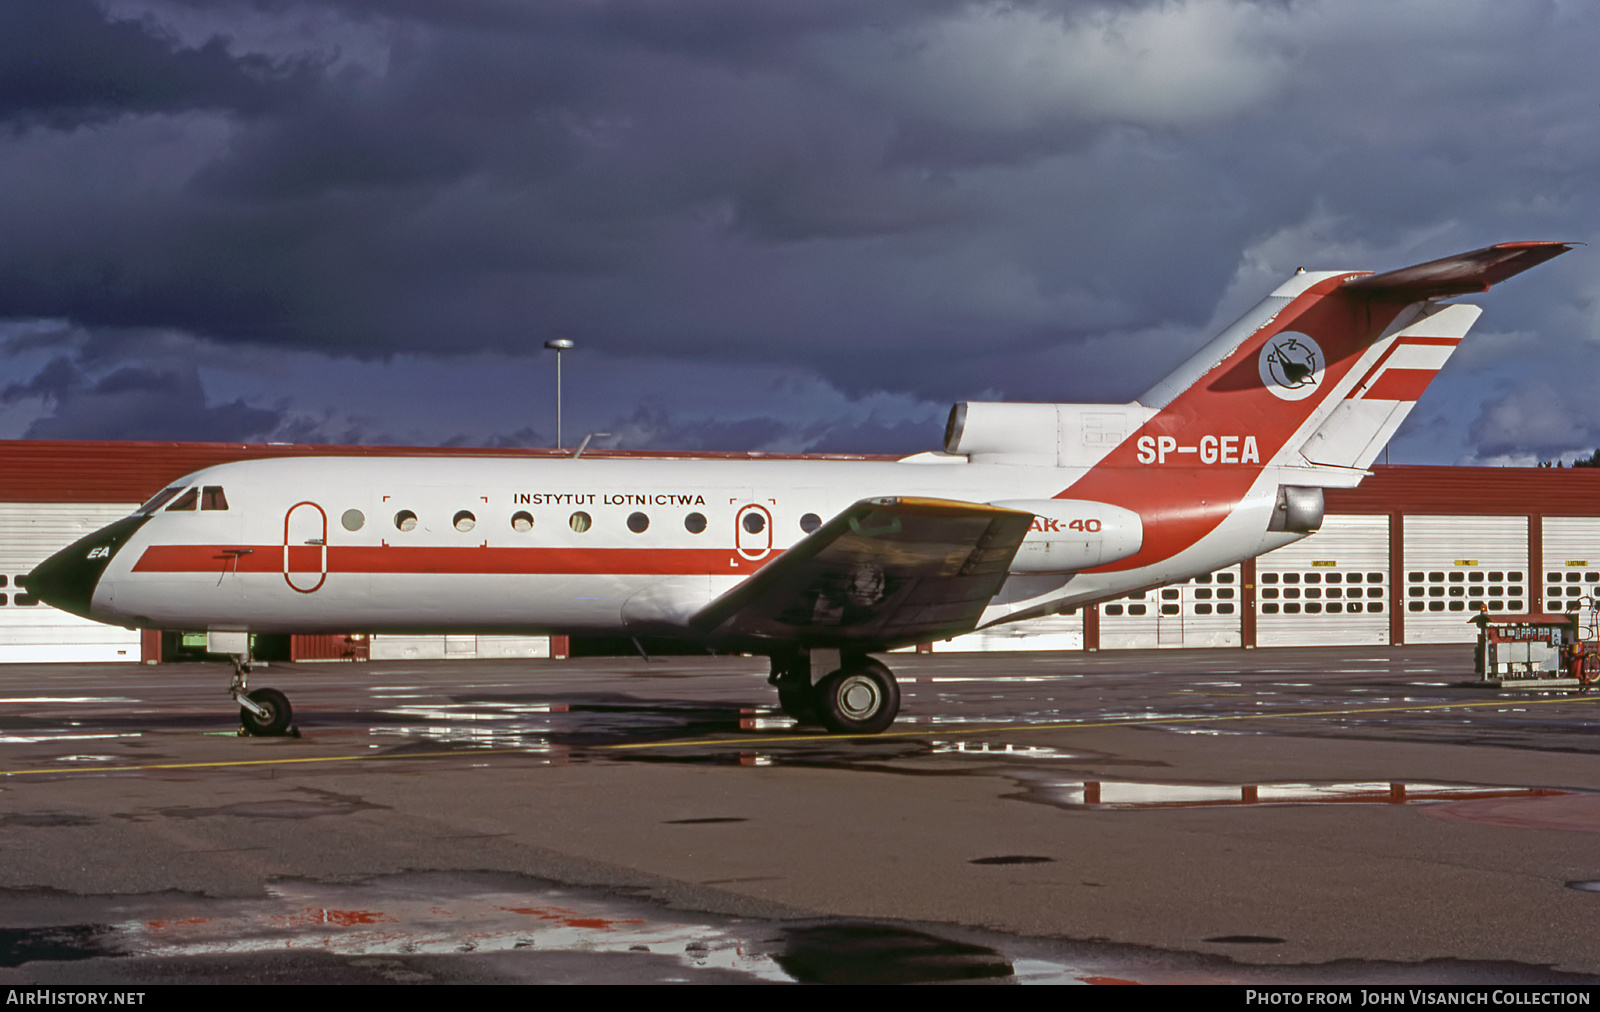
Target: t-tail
1312, 383
1301, 394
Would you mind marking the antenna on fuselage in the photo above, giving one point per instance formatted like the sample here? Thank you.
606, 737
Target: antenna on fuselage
585, 444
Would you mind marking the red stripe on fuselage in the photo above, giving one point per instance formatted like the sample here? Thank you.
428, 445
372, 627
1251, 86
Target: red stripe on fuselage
1179, 502
441, 560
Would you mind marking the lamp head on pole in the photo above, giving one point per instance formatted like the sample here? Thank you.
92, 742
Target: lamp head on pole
559, 344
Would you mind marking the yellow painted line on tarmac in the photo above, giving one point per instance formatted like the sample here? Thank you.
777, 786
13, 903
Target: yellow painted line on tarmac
1081, 725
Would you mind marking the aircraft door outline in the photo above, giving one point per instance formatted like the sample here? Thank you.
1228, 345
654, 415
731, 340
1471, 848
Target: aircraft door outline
757, 543
298, 547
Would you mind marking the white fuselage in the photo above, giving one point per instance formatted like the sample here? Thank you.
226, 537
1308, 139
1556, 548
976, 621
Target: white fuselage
328, 544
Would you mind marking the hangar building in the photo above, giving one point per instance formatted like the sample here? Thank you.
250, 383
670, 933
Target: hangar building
1408, 557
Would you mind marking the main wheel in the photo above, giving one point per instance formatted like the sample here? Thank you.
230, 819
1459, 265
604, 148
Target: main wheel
861, 698
278, 713
796, 700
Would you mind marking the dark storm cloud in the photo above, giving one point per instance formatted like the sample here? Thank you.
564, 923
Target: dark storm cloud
63, 63
134, 403
1037, 200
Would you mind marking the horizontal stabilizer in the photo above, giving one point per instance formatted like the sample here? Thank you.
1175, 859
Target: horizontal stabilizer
884, 573
1460, 274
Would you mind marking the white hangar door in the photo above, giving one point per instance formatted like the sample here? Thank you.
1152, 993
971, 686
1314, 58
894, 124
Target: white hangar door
1203, 612
1053, 632
30, 630
1572, 567
1455, 566
1330, 589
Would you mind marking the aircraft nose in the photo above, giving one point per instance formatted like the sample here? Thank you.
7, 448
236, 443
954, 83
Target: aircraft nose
67, 579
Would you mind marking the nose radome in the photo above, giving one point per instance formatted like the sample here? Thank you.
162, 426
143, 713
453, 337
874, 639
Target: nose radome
68, 578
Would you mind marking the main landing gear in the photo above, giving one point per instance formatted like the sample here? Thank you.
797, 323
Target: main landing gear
264, 712
860, 697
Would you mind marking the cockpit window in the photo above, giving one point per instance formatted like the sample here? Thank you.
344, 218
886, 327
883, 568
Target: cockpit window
160, 499
185, 501
211, 498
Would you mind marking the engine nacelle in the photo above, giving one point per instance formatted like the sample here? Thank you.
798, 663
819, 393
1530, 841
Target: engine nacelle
1070, 535
1048, 435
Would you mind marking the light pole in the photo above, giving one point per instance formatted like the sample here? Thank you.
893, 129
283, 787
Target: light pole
558, 345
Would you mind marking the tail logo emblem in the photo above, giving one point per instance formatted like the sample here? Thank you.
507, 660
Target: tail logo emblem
1291, 365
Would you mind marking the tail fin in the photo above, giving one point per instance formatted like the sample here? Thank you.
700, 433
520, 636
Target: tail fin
1321, 373
1284, 374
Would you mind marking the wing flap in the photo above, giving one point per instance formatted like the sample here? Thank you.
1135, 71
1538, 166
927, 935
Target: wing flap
883, 573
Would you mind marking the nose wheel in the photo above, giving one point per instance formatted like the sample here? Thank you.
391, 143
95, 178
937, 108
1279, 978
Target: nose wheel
263, 713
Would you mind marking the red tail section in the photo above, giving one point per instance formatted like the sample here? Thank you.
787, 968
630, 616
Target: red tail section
1258, 392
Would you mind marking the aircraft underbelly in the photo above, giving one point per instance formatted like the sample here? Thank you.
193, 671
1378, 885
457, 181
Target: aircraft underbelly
346, 602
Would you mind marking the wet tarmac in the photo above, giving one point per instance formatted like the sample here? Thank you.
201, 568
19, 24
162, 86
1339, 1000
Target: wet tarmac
1264, 816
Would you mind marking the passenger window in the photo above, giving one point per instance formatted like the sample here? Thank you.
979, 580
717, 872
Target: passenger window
580, 521
464, 521
694, 523
186, 501
353, 520
638, 523
754, 522
810, 522
522, 522
211, 498
405, 520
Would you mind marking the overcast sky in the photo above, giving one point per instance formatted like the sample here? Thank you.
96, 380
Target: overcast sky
767, 224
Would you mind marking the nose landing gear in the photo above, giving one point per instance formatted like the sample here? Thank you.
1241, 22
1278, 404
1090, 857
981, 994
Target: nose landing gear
263, 713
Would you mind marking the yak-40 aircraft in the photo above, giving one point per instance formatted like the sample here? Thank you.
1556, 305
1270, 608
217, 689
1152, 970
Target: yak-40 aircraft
1029, 510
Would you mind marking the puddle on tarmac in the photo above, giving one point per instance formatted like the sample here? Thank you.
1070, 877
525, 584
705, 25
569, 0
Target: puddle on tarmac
47, 736
1133, 795
882, 954
436, 914
67, 699
59, 943
997, 750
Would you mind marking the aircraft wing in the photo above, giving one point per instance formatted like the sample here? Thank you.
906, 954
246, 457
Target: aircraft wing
1460, 274
884, 573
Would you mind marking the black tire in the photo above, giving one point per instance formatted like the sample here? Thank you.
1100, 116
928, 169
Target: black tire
278, 716
797, 701
861, 698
